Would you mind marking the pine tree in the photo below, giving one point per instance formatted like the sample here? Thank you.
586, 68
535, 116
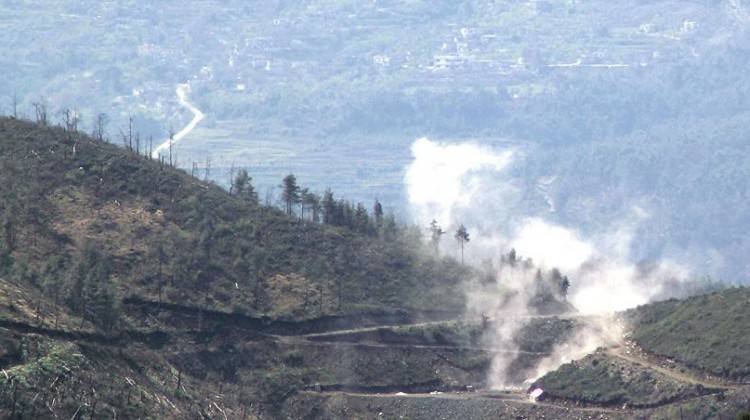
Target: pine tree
104, 308
390, 227
345, 214
462, 236
328, 205
206, 237
90, 292
52, 282
512, 257
559, 283
564, 286
435, 233
303, 192
314, 201
242, 187
377, 214
291, 193
310, 201
8, 226
361, 220
159, 254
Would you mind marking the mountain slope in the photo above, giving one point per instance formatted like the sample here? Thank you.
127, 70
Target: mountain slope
173, 236
130, 288
710, 332
684, 356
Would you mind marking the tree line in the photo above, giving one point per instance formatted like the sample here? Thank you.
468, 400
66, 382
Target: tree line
328, 210
325, 209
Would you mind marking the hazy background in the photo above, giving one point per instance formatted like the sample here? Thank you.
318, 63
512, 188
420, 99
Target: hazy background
607, 106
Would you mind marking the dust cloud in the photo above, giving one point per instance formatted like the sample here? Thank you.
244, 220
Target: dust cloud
471, 184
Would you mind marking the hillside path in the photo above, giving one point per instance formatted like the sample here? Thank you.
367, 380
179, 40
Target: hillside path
507, 398
182, 91
630, 354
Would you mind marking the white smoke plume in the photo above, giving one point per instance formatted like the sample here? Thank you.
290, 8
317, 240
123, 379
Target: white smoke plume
441, 180
469, 184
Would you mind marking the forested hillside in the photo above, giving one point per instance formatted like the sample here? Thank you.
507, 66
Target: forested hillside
74, 203
221, 209
129, 288
103, 247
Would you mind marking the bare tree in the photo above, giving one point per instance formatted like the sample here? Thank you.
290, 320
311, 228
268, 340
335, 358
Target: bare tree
70, 120
124, 137
40, 111
207, 169
100, 126
127, 137
269, 195
15, 105
171, 141
66, 116
130, 132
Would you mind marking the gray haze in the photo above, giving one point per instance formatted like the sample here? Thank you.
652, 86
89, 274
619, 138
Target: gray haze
608, 106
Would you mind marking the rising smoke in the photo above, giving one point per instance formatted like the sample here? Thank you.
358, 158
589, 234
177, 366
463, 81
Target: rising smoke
470, 184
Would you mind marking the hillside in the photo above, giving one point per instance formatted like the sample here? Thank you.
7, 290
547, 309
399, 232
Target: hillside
680, 358
172, 237
126, 271
130, 288
220, 209
710, 332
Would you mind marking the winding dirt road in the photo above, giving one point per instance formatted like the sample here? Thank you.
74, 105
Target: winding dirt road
182, 91
631, 354
505, 397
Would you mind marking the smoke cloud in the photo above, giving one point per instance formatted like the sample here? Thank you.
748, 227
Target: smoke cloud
442, 180
469, 184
